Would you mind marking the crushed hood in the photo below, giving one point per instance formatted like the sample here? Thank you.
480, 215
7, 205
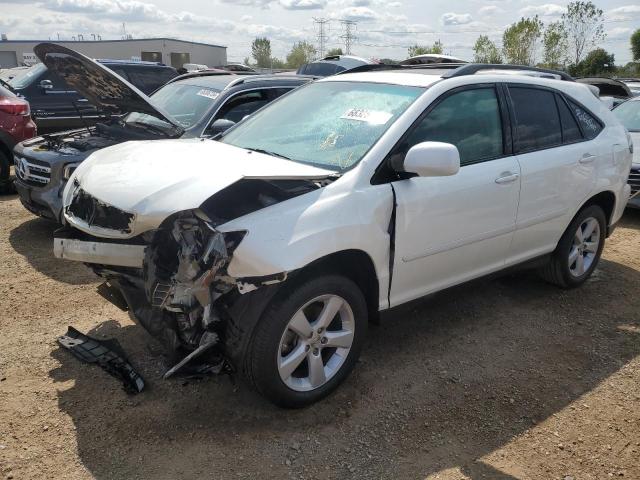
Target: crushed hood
154, 179
102, 87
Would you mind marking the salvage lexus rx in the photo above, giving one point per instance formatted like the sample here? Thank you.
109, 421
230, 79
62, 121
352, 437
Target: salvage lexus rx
269, 251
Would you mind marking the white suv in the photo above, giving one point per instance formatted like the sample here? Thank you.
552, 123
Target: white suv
270, 250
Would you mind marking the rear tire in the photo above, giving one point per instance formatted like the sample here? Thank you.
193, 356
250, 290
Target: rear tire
307, 341
579, 249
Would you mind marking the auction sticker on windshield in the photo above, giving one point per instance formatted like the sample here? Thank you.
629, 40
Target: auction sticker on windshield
205, 92
369, 116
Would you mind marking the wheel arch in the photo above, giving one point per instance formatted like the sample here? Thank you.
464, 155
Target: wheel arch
354, 264
605, 200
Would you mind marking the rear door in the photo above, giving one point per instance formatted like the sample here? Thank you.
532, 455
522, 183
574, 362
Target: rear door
452, 229
557, 162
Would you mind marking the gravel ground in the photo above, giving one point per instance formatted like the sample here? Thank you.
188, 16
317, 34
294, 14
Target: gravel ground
505, 378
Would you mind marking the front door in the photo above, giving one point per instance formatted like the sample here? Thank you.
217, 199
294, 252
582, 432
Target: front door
452, 229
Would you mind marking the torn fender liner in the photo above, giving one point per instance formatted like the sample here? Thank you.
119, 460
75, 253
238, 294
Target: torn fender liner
106, 353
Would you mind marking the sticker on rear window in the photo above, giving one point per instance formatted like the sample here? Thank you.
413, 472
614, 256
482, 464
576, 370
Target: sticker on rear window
370, 116
205, 92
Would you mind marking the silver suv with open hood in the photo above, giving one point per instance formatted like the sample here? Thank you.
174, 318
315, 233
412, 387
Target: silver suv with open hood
188, 107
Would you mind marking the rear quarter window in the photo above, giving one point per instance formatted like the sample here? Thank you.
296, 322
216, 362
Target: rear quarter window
590, 125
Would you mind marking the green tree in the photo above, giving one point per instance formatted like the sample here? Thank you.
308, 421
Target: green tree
555, 42
334, 51
301, 53
584, 24
416, 49
635, 45
276, 63
520, 41
261, 52
485, 51
246, 61
598, 62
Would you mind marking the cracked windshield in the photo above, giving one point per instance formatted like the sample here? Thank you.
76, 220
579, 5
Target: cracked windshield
327, 124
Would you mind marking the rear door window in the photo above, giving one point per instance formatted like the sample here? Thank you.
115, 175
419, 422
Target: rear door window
591, 127
537, 122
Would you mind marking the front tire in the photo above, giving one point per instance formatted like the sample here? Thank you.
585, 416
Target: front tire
307, 341
6, 183
579, 249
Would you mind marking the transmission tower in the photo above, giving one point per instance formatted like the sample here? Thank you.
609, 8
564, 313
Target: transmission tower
349, 27
322, 34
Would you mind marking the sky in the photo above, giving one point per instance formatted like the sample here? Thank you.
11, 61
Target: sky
384, 29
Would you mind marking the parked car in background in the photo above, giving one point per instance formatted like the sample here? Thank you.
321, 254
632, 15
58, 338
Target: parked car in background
238, 67
194, 67
194, 105
7, 74
629, 115
16, 125
56, 106
609, 88
332, 65
633, 84
353, 194
430, 59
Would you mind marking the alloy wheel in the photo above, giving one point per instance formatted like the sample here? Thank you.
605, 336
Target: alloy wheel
584, 248
316, 343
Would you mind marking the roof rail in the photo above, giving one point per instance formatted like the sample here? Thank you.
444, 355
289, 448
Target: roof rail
385, 66
263, 77
473, 68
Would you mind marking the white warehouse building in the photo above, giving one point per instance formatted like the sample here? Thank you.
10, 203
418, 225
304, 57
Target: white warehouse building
169, 51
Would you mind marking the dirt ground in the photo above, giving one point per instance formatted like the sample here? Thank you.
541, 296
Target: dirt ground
507, 378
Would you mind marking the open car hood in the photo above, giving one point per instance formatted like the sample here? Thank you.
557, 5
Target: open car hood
154, 179
102, 87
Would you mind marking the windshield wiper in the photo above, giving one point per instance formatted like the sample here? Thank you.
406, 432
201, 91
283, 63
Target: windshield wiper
148, 126
267, 152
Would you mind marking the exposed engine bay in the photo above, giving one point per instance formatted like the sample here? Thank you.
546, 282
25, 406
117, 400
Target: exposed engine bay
183, 294
99, 136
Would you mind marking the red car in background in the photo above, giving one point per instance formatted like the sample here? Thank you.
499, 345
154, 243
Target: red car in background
16, 125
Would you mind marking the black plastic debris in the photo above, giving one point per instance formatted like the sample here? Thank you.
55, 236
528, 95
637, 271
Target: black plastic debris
106, 353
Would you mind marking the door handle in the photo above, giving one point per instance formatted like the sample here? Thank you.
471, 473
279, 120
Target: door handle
587, 158
511, 177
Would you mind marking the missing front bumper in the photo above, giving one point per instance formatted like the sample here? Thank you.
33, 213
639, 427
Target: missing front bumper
116, 254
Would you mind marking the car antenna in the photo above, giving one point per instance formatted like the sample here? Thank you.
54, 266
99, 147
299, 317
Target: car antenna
86, 125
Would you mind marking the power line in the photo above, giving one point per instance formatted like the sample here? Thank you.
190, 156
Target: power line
349, 27
322, 36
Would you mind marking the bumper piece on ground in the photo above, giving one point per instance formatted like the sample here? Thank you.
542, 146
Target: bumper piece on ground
107, 354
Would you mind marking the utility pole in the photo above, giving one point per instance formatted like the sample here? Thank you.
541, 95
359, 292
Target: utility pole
322, 34
349, 27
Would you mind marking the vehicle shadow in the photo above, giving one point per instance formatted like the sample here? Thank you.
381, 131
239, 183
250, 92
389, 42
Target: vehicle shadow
442, 383
33, 239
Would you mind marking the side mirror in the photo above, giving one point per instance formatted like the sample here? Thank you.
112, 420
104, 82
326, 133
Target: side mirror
432, 159
219, 126
46, 84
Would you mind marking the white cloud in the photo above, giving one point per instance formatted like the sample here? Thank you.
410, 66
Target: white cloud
303, 4
455, 18
546, 10
619, 33
358, 14
625, 13
490, 10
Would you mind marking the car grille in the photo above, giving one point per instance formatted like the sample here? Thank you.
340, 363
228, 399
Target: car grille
33, 172
634, 180
96, 213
